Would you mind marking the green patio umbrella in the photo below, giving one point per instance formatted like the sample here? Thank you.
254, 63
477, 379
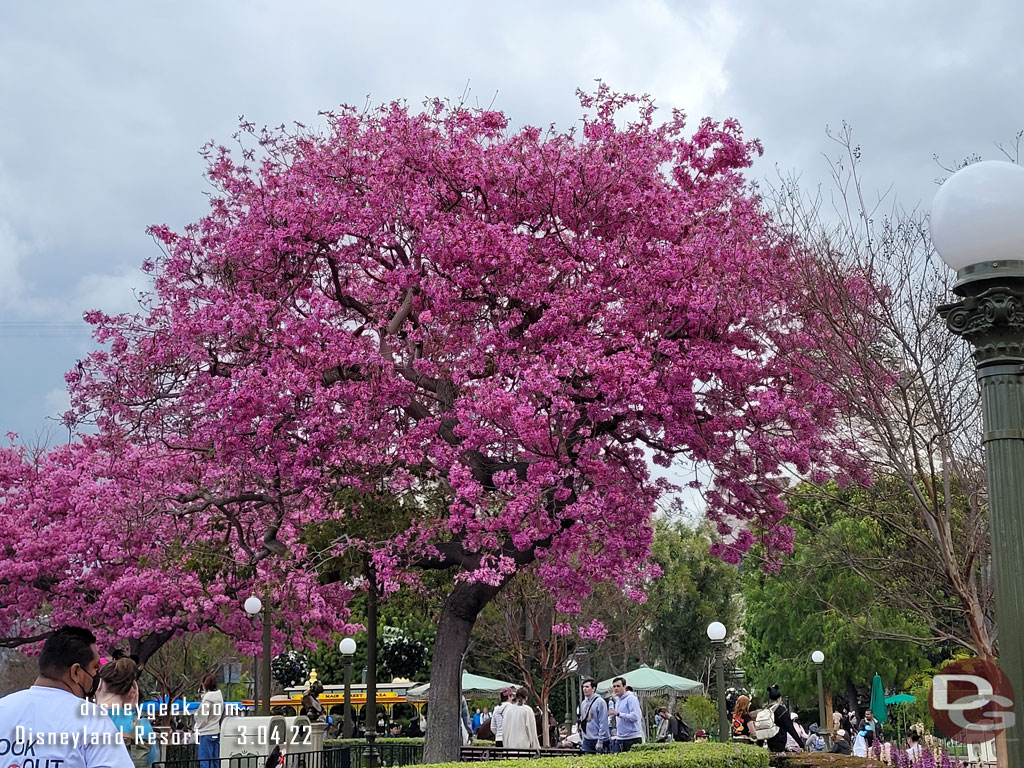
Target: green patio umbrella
472, 685
878, 699
647, 681
899, 698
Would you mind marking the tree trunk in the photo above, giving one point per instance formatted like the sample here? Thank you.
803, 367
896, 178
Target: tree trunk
851, 695
827, 726
145, 647
463, 605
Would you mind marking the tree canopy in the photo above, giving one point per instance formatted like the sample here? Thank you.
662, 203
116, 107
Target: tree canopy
501, 325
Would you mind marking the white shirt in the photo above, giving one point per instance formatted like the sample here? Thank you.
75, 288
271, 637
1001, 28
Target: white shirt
45, 727
497, 717
207, 718
519, 728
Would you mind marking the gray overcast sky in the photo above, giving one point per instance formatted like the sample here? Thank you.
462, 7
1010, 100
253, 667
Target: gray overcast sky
103, 106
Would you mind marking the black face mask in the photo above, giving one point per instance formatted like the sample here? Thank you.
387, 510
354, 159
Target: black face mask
95, 684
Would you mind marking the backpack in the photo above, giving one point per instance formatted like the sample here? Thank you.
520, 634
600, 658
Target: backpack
764, 724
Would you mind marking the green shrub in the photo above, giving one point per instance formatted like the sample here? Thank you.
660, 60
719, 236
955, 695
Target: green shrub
700, 713
822, 760
656, 746
685, 755
336, 743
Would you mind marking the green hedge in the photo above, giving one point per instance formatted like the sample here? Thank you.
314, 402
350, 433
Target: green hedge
686, 755
823, 760
335, 743
657, 746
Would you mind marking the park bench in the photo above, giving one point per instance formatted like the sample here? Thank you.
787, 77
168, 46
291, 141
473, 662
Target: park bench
476, 754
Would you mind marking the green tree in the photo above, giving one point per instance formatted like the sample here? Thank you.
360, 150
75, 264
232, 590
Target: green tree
821, 600
667, 631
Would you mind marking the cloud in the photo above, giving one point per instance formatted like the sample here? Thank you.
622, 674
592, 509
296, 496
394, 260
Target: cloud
112, 293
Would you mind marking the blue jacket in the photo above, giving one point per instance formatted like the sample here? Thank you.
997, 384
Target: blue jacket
629, 718
594, 714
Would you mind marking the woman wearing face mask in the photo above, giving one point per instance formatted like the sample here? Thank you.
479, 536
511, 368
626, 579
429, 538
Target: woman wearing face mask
119, 694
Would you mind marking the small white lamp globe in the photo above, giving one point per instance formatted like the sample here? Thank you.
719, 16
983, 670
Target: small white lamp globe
347, 646
978, 215
817, 657
716, 631
253, 605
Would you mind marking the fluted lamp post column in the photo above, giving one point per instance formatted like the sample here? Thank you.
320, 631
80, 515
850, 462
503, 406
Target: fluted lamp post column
347, 647
253, 606
819, 659
977, 226
716, 634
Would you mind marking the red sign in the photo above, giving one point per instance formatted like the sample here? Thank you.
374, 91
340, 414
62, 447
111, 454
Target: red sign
971, 701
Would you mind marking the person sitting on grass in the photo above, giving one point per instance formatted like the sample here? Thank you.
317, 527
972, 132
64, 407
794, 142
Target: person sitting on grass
841, 746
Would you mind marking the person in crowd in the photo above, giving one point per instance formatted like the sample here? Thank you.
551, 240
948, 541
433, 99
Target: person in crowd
56, 704
593, 720
476, 720
796, 744
466, 722
871, 727
915, 751
814, 743
700, 735
207, 723
613, 731
681, 731
860, 745
742, 728
118, 694
664, 720
395, 731
629, 718
485, 716
783, 722
498, 716
841, 746
519, 724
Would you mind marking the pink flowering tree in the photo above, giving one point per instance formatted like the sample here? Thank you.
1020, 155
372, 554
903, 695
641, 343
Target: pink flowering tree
496, 330
97, 537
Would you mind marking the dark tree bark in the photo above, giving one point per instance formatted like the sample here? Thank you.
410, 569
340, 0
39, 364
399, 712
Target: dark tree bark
458, 616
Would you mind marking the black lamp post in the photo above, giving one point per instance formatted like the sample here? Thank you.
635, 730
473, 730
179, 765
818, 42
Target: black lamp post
370, 752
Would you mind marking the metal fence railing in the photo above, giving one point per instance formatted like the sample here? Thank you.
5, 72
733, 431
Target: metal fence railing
346, 756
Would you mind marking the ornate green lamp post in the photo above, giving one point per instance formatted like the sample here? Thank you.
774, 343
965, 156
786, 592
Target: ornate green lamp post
977, 226
347, 646
716, 634
254, 606
819, 659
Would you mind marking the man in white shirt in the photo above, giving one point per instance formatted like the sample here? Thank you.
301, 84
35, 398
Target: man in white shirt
498, 717
51, 724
